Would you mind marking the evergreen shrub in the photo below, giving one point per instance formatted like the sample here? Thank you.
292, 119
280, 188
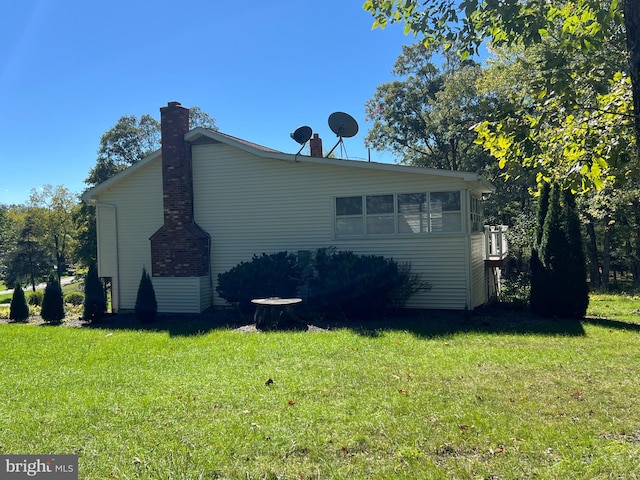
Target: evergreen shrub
356, 285
360, 285
74, 298
146, 305
52, 302
558, 264
18, 309
267, 275
94, 305
35, 298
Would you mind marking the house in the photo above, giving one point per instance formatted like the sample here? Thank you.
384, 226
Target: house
207, 201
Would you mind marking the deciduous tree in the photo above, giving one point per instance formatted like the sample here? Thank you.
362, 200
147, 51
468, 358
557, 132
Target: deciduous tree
426, 116
580, 28
53, 208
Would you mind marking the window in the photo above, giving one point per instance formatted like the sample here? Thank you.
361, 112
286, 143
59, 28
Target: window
412, 213
348, 216
477, 214
444, 212
402, 214
380, 215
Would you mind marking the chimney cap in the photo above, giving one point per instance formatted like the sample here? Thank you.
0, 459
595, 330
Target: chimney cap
174, 104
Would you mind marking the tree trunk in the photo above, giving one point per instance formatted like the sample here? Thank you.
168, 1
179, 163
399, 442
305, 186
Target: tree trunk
631, 10
635, 258
593, 256
606, 253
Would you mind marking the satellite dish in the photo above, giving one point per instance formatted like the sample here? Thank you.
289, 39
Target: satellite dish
343, 124
302, 135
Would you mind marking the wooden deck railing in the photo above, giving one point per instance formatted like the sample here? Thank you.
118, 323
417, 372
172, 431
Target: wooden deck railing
495, 242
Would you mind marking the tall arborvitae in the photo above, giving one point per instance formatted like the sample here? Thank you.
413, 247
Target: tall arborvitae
146, 304
543, 208
52, 303
538, 273
558, 267
554, 253
95, 303
578, 288
18, 310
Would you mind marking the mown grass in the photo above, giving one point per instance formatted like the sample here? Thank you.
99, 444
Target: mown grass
491, 395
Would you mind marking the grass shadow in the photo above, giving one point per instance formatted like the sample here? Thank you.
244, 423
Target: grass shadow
173, 324
612, 324
442, 323
422, 323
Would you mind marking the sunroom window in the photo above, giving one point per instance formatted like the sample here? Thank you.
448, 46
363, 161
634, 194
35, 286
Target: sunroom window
401, 214
412, 213
380, 215
349, 216
444, 212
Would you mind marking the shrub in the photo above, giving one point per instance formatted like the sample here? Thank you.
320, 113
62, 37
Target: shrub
74, 298
95, 302
52, 303
357, 285
146, 305
360, 285
558, 265
35, 298
18, 310
273, 275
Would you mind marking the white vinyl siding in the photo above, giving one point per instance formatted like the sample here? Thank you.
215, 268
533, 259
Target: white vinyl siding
478, 281
108, 233
182, 294
137, 202
252, 205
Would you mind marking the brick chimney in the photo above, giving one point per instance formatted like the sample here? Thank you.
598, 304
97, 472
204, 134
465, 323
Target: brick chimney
315, 145
180, 248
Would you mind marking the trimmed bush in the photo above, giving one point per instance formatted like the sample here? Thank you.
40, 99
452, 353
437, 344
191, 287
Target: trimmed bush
356, 285
18, 310
360, 285
35, 298
52, 303
95, 303
74, 298
273, 275
146, 304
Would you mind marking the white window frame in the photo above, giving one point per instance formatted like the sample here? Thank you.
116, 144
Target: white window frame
426, 216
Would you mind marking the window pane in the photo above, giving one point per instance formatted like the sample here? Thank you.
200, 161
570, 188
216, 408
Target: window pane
378, 224
445, 201
446, 222
349, 226
349, 206
452, 222
377, 204
412, 202
412, 223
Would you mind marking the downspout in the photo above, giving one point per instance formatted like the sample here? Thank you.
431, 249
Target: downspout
115, 218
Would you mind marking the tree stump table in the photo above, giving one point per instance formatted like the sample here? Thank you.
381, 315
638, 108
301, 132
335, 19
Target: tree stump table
274, 311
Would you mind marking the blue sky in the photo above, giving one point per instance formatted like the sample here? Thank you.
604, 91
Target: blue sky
69, 69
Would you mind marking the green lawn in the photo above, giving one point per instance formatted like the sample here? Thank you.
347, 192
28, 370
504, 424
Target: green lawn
494, 395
